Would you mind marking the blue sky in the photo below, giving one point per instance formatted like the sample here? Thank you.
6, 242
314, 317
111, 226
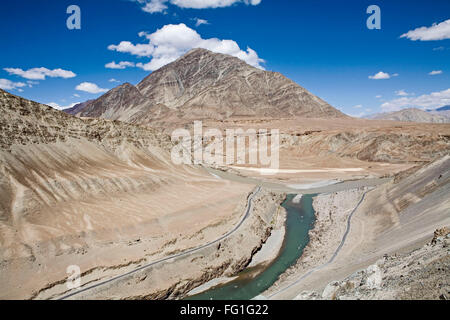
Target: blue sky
325, 46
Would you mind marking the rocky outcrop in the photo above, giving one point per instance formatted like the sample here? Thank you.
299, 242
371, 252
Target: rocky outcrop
25, 122
420, 274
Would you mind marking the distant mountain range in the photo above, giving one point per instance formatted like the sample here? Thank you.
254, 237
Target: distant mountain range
440, 115
444, 108
206, 85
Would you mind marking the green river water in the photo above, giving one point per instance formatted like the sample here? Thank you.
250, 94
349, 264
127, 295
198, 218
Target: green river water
253, 281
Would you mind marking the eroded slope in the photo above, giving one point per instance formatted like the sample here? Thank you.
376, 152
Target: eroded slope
99, 194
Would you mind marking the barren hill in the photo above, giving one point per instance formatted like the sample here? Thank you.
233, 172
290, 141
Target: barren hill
207, 85
105, 196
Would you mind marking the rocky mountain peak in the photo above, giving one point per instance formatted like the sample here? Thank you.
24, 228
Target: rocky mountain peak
203, 84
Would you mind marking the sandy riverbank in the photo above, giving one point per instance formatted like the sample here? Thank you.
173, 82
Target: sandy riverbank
210, 284
271, 249
332, 212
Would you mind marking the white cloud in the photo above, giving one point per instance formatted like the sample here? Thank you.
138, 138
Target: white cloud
439, 31
113, 80
435, 72
379, 96
172, 41
203, 4
6, 84
426, 101
401, 93
54, 105
359, 106
141, 50
120, 65
41, 73
154, 6
439, 48
76, 95
382, 75
199, 22
31, 83
90, 88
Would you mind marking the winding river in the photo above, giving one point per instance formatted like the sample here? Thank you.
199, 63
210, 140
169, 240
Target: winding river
253, 281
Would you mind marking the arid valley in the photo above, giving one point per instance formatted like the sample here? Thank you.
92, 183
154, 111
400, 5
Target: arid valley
224, 158
95, 187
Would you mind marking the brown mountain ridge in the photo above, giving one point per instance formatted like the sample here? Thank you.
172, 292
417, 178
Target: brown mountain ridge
206, 85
